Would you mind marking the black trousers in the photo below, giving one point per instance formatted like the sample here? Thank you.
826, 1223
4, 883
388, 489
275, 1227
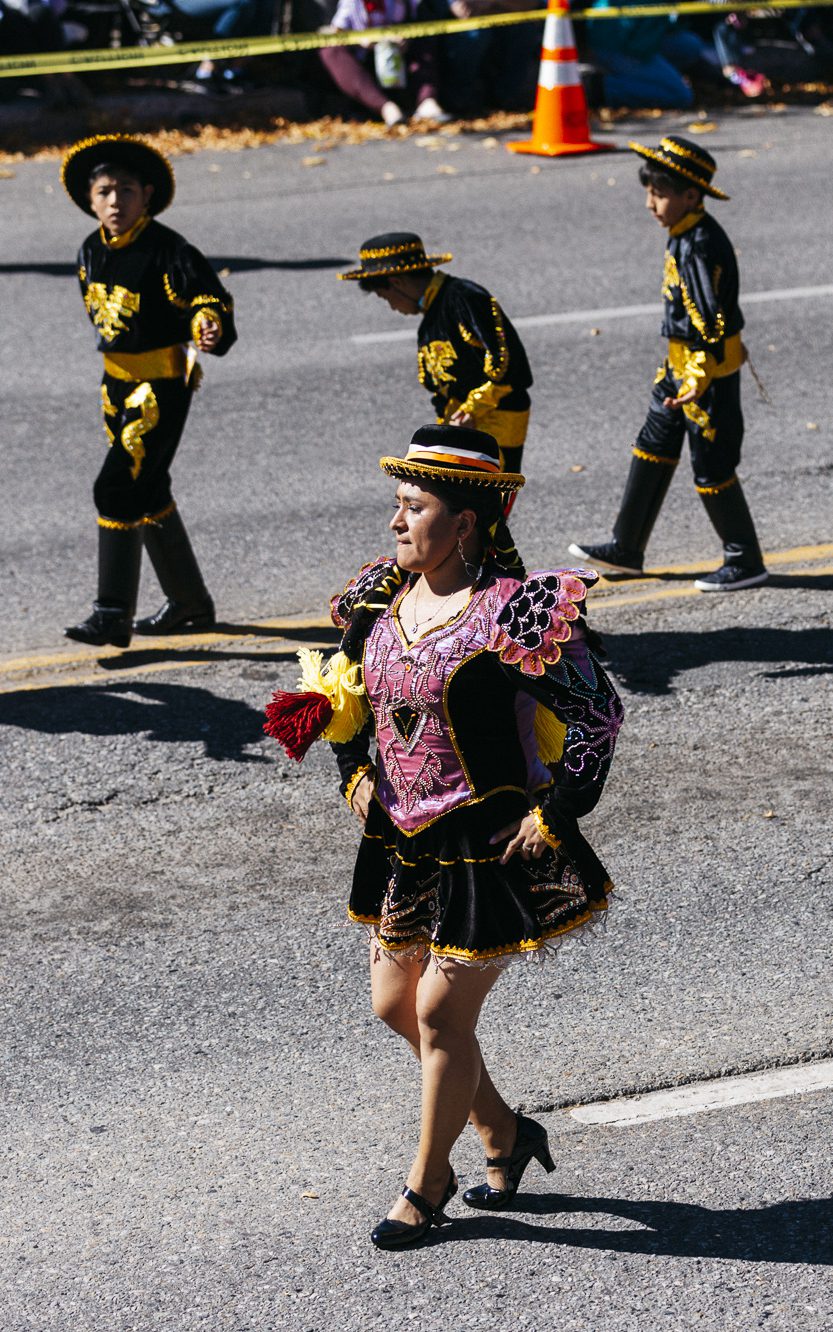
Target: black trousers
144, 424
714, 425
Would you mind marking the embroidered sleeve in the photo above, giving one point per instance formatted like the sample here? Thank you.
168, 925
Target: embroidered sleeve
481, 325
702, 304
537, 620
539, 634
580, 693
193, 289
377, 574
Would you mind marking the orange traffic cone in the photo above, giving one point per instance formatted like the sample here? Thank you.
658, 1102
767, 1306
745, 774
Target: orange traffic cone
560, 124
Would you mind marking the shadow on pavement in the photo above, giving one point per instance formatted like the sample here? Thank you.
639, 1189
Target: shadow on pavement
649, 662
235, 264
168, 713
795, 1231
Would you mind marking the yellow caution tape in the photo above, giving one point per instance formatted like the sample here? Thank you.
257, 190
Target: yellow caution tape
182, 53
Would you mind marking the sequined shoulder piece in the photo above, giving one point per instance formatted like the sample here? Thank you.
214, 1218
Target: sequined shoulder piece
377, 574
537, 618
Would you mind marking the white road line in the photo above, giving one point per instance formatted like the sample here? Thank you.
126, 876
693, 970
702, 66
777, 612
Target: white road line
697, 1097
613, 312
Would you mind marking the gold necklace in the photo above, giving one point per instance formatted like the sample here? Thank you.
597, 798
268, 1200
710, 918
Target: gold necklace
418, 624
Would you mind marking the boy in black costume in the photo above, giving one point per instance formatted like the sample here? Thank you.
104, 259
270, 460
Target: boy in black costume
147, 293
697, 388
470, 358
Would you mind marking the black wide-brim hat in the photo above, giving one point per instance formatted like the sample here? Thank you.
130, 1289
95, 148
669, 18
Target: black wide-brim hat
685, 159
393, 252
117, 150
453, 453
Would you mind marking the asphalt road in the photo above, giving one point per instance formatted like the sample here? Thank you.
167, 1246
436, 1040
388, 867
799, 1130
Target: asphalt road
188, 1052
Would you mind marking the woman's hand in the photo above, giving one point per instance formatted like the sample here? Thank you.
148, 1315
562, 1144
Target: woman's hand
362, 796
524, 837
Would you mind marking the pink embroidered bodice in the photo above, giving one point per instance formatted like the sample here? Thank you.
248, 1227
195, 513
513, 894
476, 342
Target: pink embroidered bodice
421, 772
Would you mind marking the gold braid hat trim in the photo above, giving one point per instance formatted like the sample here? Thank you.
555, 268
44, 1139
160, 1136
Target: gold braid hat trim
672, 165
671, 147
400, 467
134, 141
390, 270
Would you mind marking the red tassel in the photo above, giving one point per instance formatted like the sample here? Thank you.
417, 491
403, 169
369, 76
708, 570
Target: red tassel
296, 720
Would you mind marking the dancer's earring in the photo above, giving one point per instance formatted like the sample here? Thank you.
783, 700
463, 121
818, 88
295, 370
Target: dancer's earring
472, 570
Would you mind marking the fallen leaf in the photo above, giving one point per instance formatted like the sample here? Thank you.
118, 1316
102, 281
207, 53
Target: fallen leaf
534, 171
214, 167
769, 814
772, 347
577, 467
309, 1193
491, 142
595, 332
824, 109
5, 174
313, 161
702, 127
452, 147
224, 272
611, 180
778, 108
812, 425
748, 152
388, 175
445, 170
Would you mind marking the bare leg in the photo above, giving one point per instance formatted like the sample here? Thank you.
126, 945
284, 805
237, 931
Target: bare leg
394, 983
448, 1004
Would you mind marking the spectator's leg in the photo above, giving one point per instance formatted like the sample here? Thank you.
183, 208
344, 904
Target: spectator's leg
421, 59
516, 54
688, 52
655, 82
351, 78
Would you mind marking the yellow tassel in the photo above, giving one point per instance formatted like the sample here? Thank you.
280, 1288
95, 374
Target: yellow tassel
339, 679
549, 733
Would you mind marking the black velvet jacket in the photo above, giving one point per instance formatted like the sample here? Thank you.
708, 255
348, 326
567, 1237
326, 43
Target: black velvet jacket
150, 292
700, 286
469, 354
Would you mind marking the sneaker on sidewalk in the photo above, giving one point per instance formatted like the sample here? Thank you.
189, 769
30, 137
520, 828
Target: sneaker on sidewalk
391, 114
731, 578
610, 556
430, 109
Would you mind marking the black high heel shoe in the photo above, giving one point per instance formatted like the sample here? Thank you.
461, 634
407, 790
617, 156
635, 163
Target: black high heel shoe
530, 1140
391, 1234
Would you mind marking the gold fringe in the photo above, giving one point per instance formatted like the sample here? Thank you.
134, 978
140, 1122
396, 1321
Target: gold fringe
715, 490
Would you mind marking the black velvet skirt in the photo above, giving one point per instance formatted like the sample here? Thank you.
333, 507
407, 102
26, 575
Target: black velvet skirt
444, 892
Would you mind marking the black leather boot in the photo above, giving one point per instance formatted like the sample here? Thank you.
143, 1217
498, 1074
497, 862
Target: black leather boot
188, 602
645, 490
743, 564
119, 565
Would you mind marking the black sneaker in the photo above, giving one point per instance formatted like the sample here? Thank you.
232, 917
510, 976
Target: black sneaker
731, 578
610, 556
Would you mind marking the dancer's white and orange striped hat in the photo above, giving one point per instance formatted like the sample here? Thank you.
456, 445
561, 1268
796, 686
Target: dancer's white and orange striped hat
453, 453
